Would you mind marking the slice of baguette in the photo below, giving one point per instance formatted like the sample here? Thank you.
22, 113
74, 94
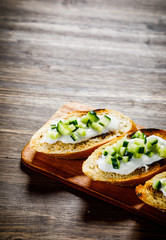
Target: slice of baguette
85, 148
91, 169
150, 196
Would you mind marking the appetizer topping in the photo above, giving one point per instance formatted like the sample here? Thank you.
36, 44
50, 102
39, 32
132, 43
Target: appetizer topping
79, 129
160, 185
127, 155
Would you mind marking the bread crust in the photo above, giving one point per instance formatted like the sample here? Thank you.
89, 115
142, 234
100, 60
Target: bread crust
150, 196
90, 167
84, 149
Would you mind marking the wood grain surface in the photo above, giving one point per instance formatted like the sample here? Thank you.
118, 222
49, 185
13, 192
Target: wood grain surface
107, 54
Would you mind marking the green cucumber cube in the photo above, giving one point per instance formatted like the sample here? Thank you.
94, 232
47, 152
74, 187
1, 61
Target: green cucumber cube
117, 146
89, 123
125, 159
62, 128
152, 141
71, 120
104, 121
125, 143
84, 119
137, 155
129, 154
74, 136
133, 148
122, 151
139, 142
149, 153
162, 152
105, 153
139, 134
119, 157
53, 134
154, 147
81, 125
53, 126
156, 185
93, 116
72, 127
97, 127
115, 163
81, 132
141, 149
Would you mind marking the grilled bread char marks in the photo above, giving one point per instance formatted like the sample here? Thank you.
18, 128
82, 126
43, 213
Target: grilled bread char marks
85, 148
150, 196
91, 169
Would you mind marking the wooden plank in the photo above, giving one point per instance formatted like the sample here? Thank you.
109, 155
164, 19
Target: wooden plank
70, 173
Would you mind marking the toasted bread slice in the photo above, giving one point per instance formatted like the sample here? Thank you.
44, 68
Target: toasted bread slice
150, 196
83, 149
91, 169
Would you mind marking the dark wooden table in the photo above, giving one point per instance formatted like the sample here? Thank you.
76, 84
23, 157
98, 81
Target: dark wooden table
108, 54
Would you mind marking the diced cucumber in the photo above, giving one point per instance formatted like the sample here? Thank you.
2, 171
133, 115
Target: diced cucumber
164, 182
157, 185
139, 134
125, 159
93, 116
84, 119
74, 136
104, 121
89, 123
137, 155
119, 157
81, 125
53, 126
81, 132
129, 154
152, 144
108, 159
53, 135
97, 127
71, 120
145, 139
162, 152
62, 128
141, 149
125, 143
72, 127
117, 146
90, 117
153, 141
108, 150
122, 151
133, 148
105, 153
149, 153
115, 163
139, 141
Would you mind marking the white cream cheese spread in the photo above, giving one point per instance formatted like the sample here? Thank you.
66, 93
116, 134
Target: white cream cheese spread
134, 163
90, 132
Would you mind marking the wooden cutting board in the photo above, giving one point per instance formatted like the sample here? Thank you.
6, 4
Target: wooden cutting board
70, 172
